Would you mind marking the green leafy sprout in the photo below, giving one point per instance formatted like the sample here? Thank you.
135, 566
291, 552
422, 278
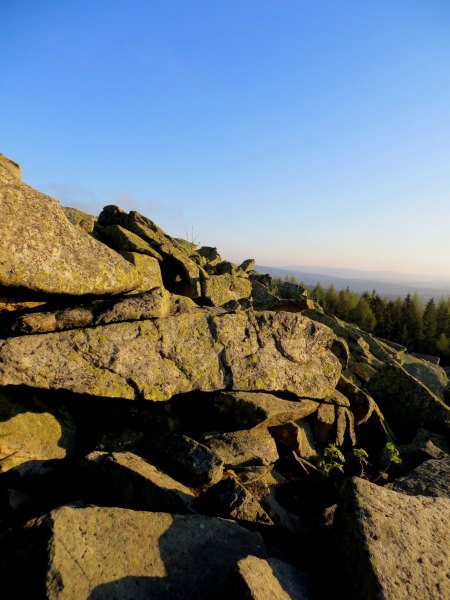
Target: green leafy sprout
332, 459
393, 454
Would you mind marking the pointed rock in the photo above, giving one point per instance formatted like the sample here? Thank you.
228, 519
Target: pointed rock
41, 250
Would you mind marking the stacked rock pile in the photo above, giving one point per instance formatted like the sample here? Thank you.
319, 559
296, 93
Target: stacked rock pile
173, 425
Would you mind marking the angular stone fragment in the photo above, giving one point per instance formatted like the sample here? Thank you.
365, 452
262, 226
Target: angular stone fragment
262, 297
431, 478
127, 480
252, 447
394, 545
363, 345
80, 219
221, 289
259, 579
149, 269
200, 350
298, 437
432, 376
230, 499
406, 402
177, 264
122, 240
31, 433
362, 405
103, 553
247, 265
325, 418
190, 461
341, 425
41, 250
363, 371
211, 255
157, 303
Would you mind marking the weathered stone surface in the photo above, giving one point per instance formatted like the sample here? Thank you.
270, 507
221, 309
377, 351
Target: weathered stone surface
230, 499
262, 297
225, 267
221, 289
104, 553
9, 171
80, 219
207, 350
188, 460
177, 264
363, 346
149, 269
345, 426
362, 405
122, 240
154, 304
363, 371
266, 295
395, 546
210, 254
406, 402
431, 375
41, 250
245, 447
32, 433
247, 265
431, 478
298, 437
127, 480
259, 579
325, 418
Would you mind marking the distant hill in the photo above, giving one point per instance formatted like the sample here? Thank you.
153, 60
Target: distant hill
385, 285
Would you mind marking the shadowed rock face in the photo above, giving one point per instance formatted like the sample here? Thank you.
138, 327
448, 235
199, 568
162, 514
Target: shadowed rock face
102, 553
207, 350
42, 251
395, 546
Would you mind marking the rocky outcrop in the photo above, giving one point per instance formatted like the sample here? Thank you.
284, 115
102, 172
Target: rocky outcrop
151, 389
42, 251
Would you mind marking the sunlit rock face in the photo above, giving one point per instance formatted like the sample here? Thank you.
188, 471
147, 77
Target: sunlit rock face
159, 405
41, 250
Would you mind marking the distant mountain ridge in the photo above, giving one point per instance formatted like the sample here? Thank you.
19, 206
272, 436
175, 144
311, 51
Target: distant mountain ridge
385, 286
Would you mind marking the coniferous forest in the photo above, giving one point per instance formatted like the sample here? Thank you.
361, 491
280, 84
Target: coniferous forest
421, 327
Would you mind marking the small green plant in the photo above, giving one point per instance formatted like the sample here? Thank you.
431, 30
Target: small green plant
394, 458
362, 457
332, 459
393, 454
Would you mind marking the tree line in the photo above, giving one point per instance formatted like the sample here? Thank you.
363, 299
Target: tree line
421, 327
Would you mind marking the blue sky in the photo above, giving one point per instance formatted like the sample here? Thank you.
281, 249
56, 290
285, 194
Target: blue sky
295, 132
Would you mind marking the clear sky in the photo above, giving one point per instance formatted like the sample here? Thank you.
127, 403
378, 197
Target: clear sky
293, 131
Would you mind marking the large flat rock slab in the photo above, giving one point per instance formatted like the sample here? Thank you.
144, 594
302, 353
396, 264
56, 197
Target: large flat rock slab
206, 350
394, 545
104, 553
41, 250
